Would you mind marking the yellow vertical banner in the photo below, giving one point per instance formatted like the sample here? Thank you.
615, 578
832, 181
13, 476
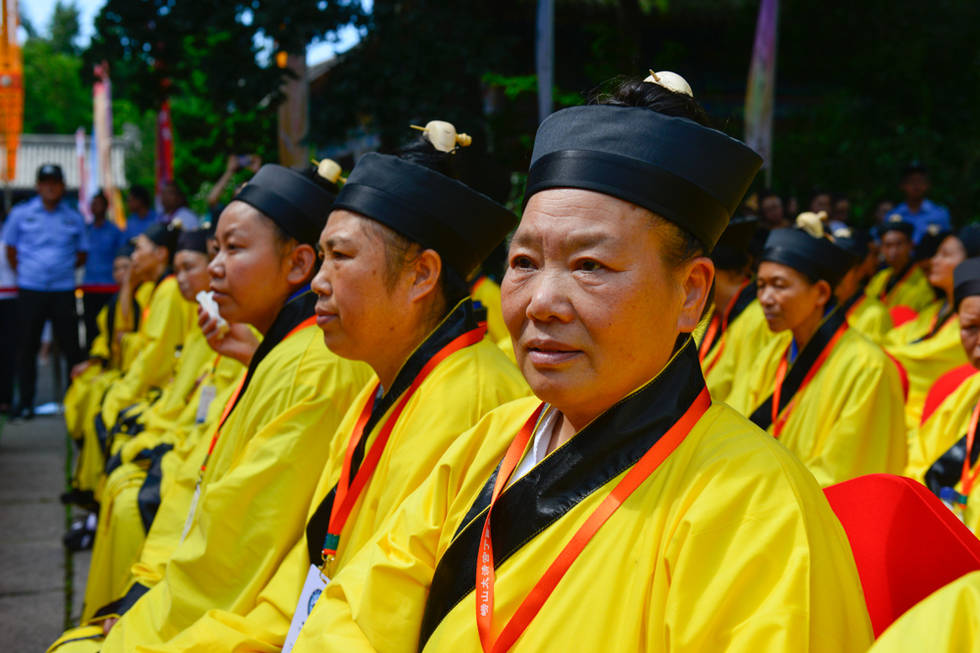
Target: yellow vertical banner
11, 88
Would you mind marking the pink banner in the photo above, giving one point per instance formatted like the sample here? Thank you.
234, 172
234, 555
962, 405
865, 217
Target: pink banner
762, 84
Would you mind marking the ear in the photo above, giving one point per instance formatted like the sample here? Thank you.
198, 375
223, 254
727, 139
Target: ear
824, 292
698, 275
425, 273
301, 262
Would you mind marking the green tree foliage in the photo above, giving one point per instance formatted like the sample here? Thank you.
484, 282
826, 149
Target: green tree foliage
862, 88
55, 99
213, 60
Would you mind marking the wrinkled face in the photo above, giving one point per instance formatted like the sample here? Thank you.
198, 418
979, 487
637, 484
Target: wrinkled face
915, 186
787, 297
969, 313
950, 254
147, 256
50, 191
120, 268
356, 309
896, 249
248, 275
191, 269
591, 304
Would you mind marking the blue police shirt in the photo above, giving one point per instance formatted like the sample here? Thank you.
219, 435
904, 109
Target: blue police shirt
103, 242
136, 225
47, 244
928, 214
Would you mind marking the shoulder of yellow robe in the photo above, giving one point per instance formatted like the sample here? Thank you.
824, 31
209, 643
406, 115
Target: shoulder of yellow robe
872, 319
945, 621
487, 292
459, 391
927, 360
257, 487
942, 427
667, 571
744, 340
915, 329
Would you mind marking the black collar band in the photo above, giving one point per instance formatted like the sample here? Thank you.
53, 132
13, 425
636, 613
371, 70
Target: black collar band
794, 378
612, 443
462, 319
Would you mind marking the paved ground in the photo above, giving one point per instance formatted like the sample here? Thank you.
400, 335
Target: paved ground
40, 585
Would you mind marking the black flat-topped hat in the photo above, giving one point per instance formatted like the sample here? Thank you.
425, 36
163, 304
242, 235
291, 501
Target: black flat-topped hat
164, 234
815, 258
427, 207
291, 199
895, 222
689, 174
196, 241
732, 249
853, 241
966, 281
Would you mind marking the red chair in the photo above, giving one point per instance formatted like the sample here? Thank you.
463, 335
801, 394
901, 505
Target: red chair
906, 542
902, 314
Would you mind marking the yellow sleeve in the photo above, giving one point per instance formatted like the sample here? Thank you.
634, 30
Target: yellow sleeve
166, 327
945, 621
100, 346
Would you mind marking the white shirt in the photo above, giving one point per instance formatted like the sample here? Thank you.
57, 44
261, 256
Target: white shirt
538, 450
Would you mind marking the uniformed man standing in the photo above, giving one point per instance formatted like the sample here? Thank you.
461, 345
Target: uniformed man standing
45, 240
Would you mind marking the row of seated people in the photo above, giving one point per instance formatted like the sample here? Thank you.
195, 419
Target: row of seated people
258, 490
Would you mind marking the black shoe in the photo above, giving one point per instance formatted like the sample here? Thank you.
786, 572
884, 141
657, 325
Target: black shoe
26, 413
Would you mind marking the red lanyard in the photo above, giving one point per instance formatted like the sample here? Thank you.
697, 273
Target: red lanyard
238, 390
719, 321
532, 603
347, 492
966, 477
779, 422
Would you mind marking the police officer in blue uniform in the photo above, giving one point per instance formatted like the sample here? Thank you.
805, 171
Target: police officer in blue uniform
45, 241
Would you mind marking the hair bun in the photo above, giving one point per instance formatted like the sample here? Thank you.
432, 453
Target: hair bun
812, 223
670, 81
330, 170
442, 135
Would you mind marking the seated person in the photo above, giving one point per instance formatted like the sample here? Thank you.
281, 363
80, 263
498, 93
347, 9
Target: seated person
902, 282
265, 453
675, 501
864, 312
929, 346
392, 292
831, 396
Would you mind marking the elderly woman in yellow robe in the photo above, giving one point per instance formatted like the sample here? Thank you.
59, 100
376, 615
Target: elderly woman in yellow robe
929, 346
626, 512
249, 488
831, 396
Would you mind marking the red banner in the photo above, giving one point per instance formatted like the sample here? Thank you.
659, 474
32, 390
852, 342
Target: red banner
165, 147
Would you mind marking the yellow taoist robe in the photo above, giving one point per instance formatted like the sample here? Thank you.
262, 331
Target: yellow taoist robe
927, 348
943, 427
728, 546
257, 483
910, 288
134, 490
168, 319
486, 291
744, 338
869, 316
847, 421
944, 622
84, 397
452, 398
